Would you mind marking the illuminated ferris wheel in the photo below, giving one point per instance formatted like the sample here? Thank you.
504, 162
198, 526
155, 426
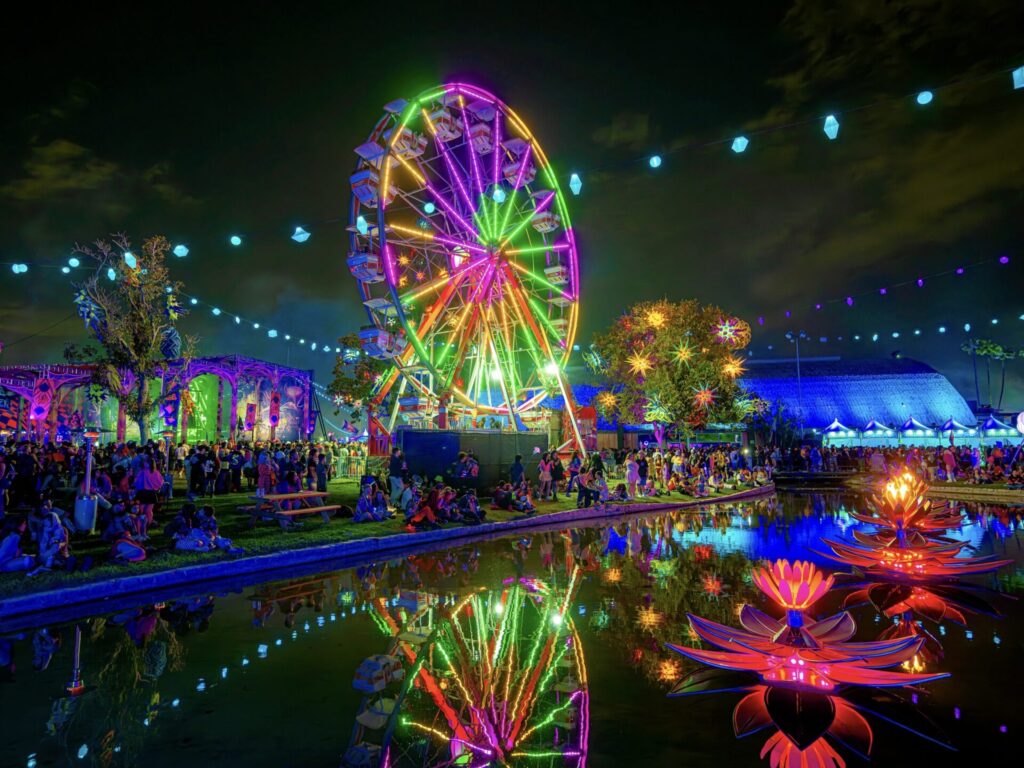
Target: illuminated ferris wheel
462, 246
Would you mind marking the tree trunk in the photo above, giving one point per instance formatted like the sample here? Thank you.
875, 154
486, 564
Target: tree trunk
1002, 382
977, 389
988, 381
143, 420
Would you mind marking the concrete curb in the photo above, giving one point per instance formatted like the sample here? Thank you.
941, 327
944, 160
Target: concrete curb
259, 565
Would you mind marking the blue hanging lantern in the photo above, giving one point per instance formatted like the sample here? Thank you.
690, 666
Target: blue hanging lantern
575, 183
181, 251
739, 144
498, 195
831, 127
111, 274
924, 97
361, 226
130, 261
73, 262
236, 240
300, 235
655, 161
1018, 78
429, 208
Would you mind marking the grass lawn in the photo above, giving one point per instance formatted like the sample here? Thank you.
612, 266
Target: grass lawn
266, 537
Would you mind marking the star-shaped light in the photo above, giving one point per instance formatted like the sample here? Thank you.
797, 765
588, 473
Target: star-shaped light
607, 400
403, 259
403, 281
684, 352
726, 330
704, 397
733, 368
647, 618
639, 363
656, 318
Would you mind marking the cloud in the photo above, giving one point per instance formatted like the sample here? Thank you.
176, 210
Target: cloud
57, 170
627, 130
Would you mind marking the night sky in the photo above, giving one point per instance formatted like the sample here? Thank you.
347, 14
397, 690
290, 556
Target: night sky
150, 121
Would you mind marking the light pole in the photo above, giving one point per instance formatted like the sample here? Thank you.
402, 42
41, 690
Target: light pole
168, 436
794, 338
85, 505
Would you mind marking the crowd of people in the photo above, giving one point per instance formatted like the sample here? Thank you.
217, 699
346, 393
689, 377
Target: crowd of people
40, 483
998, 464
129, 484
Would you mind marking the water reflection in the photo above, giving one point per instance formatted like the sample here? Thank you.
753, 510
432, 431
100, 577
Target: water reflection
456, 656
799, 669
496, 678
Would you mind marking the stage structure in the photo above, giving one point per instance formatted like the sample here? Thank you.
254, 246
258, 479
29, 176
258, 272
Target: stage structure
228, 397
464, 253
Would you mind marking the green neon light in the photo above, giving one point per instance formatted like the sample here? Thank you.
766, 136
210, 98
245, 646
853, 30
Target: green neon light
544, 318
541, 280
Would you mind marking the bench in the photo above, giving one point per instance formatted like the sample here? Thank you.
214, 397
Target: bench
325, 513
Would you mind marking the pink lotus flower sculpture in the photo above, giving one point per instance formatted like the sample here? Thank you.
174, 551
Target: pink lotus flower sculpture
801, 652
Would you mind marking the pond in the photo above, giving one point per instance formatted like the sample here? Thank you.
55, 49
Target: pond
539, 650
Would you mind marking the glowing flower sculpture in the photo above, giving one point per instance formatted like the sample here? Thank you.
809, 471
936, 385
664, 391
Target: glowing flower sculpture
906, 544
639, 363
607, 401
704, 397
684, 353
733, 368
732, 331
800, 665
656, 319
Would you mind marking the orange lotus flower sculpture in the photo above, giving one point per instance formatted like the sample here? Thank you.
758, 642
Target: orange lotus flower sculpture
904, 516
794, 587
907, 544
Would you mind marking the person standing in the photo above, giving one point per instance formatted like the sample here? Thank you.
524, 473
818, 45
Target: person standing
557, 473
396, 471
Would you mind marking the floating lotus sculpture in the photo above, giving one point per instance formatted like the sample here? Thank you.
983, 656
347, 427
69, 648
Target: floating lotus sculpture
906, 544
800, 651
801, 665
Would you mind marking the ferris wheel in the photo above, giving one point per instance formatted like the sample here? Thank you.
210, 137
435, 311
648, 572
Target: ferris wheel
463, 250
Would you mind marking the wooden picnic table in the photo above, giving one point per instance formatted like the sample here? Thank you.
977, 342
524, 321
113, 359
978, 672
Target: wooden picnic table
270, 507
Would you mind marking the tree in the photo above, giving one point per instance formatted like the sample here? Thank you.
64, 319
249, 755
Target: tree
1004, 356
130, 307
673, 365
988, 350
356, 375
970, 347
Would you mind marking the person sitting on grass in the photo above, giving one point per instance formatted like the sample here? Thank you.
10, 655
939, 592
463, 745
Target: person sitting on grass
380, 504
425, 515
367, 509
600, 487
469, 508
409, 501
620, 493
120, 524
11, 557
650, 490
54, 550
448, 507
206, 521
503, 496
523, 500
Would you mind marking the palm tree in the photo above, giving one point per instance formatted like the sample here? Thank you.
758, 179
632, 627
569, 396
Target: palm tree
989, 350
1005, 355
971, 348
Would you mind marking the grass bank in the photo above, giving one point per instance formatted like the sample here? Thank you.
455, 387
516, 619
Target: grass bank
266, 538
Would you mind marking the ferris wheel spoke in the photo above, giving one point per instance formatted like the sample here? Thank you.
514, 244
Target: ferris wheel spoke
422, 234
448, 206
540, 207
524, 162
453, 173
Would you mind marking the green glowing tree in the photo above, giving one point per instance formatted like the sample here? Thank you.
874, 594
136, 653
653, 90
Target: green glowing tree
673, 365
130, 306
356, 375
